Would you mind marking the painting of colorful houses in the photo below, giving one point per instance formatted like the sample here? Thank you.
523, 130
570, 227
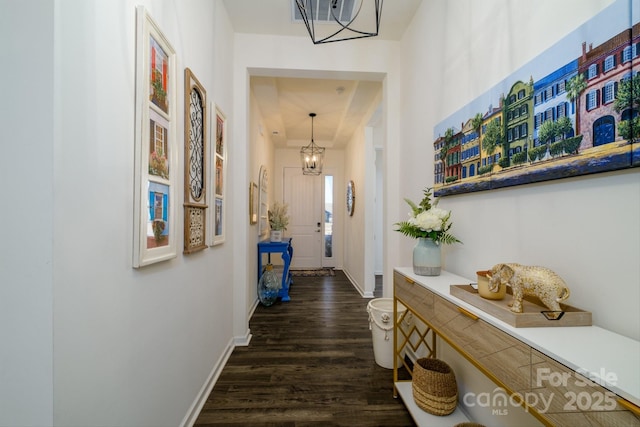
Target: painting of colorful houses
159, 78
572, 111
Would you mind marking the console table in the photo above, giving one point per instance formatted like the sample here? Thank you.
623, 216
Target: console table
286, 250
591, 374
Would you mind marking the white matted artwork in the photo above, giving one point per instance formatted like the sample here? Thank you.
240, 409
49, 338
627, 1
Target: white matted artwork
154, 232
219, 162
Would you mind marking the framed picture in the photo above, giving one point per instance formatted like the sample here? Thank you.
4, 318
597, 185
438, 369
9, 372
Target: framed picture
253, 203
155, 145
218, 160
195, 163
219, 217
569, 112
263, 203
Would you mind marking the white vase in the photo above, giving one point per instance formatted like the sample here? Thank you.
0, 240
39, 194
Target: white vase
426, 257
276, 235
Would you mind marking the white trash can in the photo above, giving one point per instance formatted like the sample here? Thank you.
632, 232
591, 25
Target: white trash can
381, 325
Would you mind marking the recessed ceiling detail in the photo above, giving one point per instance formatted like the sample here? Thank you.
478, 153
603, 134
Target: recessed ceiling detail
285, 102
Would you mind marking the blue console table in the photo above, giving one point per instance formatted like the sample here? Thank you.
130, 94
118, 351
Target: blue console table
286, 250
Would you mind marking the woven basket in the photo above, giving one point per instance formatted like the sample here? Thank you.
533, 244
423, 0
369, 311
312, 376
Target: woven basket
434, 386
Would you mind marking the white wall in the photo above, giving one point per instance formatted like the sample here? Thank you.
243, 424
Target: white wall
344, 165
261, 153
334, 164
362, 167
379, 225
298, 57
354, 226
26, 253
87, 340
586, 228
92, 340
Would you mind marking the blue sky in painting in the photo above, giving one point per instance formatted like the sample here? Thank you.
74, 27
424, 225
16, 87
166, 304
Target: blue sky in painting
611, 21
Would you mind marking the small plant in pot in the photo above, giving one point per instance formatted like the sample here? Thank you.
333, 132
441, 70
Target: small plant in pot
278, 220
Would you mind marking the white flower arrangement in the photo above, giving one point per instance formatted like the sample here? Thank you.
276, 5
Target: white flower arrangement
427, 220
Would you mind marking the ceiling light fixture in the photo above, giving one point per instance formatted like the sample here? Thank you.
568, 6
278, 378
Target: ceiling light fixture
342, 14
312, 156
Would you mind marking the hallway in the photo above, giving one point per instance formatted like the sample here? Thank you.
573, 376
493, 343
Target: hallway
310, 363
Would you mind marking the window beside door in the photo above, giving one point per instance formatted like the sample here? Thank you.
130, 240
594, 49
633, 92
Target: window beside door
328, 216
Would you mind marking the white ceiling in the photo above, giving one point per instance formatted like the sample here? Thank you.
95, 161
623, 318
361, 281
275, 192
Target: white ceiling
285, 102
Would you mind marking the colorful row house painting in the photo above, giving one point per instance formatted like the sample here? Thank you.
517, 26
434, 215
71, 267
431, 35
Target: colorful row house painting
158, 233
154, 176
159, 77
580, 118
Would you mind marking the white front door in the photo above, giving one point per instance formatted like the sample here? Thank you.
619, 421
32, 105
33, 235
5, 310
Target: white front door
303, 194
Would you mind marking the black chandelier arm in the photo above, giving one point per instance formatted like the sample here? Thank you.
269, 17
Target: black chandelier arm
305, 17
328, 39
346, 26
325, 40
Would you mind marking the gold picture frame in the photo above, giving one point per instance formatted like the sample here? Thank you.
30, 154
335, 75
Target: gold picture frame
253, 203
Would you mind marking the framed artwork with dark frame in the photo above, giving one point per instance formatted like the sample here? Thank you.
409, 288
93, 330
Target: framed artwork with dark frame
218, 160
195, 163
155, 145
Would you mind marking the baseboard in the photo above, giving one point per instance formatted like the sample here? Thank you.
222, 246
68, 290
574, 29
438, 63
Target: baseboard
253, 309
244, 340
353, 283
362, 293
205, 391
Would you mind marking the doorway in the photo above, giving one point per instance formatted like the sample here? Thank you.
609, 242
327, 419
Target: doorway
310, 200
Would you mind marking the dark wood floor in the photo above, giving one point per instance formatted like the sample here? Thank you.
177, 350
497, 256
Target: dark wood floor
310, 362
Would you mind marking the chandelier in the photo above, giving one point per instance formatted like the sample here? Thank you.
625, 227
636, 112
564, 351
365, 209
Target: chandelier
338, 19
312, 156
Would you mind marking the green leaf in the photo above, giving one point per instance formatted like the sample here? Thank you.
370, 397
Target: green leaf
411, 230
